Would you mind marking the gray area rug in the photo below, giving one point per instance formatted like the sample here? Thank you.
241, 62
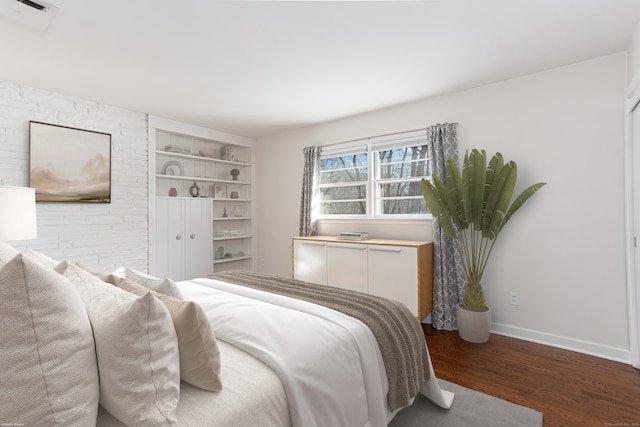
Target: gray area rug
470, 408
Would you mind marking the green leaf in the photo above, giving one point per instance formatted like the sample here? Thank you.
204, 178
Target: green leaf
519, 201
437, 205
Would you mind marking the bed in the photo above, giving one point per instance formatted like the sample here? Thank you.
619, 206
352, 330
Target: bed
281, 359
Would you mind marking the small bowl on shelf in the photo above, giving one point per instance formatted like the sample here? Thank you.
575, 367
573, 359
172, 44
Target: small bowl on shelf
206, 152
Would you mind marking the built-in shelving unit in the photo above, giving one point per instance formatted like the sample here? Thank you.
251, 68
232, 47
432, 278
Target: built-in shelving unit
191, 165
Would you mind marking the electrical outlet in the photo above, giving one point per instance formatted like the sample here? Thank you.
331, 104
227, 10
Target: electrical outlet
513, 298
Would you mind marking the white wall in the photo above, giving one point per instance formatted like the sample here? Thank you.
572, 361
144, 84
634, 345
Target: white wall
564, 252
102, 236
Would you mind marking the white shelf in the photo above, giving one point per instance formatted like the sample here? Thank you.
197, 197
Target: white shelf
200, 158
232, 218
220, 261
220, 238
202, 179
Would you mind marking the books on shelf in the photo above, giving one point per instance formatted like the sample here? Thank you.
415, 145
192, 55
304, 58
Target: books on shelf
353, 235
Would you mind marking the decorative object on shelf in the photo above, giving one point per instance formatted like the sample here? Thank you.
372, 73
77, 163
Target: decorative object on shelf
68, 164
227, 153
235, 173
207, 152
180, 149
224, 213
172, 168
220, 191
219, 253
227, 233
237, 212
173, 192
485, 191
203, 192
234, 194
194, 190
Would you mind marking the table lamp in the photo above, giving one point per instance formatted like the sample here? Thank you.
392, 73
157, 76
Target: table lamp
17, 213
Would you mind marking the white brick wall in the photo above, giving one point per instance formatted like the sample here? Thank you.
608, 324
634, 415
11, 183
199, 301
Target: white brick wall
102, 236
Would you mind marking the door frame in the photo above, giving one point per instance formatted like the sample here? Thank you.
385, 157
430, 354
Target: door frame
632, 227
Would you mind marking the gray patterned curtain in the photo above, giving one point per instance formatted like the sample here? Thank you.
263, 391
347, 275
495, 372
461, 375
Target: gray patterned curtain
309, 199
448, 274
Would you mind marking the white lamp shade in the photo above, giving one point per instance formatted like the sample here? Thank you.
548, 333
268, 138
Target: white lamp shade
17, 213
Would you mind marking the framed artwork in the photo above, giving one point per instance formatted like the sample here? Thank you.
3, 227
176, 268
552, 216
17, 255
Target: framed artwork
68, 164
220, 191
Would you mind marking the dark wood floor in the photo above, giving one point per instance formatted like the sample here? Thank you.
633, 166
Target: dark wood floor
570, 389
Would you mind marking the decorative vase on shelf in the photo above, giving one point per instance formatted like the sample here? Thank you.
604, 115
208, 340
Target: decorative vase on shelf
173, 192
194, 190
235, 173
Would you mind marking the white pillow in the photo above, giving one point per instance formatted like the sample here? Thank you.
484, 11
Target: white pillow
164, 286
48, 370
137, 351
41, 258
7, 253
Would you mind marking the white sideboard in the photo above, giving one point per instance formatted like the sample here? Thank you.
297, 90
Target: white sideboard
396, 269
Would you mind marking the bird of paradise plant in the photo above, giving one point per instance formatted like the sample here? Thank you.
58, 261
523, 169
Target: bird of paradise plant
473, 207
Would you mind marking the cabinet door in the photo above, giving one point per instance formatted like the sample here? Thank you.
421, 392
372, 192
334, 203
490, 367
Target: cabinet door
347, 266
198, 238
309, 261
170, 239
393, 274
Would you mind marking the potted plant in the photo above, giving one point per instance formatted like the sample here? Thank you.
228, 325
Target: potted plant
473, 207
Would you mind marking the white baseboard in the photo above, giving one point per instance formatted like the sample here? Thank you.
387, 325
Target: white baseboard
585, 347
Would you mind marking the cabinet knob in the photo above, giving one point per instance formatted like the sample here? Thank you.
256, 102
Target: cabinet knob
192, 236
178, 237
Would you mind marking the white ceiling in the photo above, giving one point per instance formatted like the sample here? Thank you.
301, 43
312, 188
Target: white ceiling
257, 68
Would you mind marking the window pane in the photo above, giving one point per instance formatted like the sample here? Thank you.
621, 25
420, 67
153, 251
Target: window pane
343, 208
404, 170
343, 175
403, 206
343, 162
403, 154
350, 192
400, 189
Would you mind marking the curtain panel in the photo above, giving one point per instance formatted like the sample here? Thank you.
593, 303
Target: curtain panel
448, 273
310, 192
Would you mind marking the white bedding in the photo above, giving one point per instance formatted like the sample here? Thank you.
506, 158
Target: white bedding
329, 363
286, 362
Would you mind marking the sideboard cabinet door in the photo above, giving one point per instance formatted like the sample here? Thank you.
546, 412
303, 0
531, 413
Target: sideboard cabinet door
310, 261
393, 274
347, 266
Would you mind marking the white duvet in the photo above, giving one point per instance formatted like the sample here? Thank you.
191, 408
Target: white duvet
328, 362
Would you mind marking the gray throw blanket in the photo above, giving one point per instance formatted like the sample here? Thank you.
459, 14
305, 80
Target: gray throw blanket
398, 332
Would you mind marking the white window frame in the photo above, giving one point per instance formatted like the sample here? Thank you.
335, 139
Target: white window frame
371, 147
346, 151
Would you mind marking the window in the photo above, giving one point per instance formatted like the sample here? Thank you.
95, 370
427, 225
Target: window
378, 180
343, 184
397, 180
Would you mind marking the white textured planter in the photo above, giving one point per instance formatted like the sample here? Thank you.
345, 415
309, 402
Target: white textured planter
474, 325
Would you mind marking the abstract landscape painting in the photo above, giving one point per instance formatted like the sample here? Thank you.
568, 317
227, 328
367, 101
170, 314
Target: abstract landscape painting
68, 164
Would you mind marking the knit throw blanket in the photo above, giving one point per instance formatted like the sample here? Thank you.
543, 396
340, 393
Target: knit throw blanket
398, 332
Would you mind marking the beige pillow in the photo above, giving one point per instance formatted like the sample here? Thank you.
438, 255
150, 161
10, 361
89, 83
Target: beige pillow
199, 353
48, 370
137, 351
6, 253
164, 286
